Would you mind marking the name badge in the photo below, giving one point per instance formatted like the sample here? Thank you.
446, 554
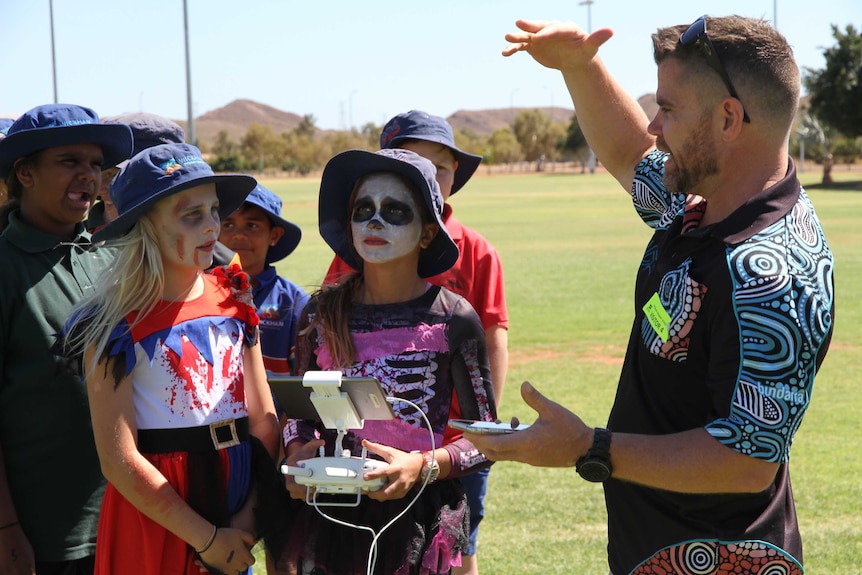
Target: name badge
657, 316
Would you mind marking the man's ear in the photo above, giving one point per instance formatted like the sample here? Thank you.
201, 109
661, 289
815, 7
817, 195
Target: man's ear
429, 232
733, 114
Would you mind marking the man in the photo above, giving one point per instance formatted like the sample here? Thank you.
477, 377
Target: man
477, 275
734, 302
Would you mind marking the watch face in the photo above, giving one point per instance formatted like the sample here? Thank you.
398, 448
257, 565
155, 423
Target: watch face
433, 474
594, 470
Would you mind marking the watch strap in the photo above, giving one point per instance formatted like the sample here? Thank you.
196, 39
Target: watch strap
601, 444
430, 467
595, 464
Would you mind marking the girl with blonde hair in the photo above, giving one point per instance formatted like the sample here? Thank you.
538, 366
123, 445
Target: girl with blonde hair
182, 414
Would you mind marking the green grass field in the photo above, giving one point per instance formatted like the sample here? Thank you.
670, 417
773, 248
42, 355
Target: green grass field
570, 245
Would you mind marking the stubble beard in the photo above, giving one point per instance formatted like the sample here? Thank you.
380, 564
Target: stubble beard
693, 163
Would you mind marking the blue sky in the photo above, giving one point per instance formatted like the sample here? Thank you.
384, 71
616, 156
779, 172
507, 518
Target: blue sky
347, 62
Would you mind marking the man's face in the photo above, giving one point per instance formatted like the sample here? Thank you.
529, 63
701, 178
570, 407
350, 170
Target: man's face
683, 127
442, 158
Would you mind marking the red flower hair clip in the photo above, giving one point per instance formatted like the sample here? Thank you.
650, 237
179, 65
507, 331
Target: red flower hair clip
236, 279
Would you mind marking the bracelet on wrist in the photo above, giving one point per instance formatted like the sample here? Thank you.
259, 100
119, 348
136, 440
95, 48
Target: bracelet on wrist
209, 543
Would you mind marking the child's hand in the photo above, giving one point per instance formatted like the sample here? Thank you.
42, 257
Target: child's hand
306, 451
230, 551
403, 471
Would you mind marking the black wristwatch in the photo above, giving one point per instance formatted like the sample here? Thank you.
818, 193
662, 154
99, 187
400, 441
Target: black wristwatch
595, 465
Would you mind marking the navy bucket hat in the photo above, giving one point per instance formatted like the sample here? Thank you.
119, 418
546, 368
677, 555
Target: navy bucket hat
149, 130
161, 171
336, 185
55, 125
271, 204
418, 125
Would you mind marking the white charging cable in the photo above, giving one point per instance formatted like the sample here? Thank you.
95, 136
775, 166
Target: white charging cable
375, 536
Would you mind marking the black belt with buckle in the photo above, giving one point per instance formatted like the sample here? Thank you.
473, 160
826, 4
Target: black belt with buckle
212, 437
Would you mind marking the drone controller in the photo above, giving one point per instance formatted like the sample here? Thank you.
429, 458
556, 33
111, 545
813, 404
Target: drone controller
336, 475
341, 474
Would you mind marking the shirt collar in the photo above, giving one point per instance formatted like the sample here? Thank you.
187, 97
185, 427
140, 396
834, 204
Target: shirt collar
33, 241
265, 278
761, 211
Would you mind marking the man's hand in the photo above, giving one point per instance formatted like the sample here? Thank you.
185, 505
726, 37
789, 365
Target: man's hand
557, 45
557, 438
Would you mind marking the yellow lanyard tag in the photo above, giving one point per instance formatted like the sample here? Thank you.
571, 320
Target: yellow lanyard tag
657, 316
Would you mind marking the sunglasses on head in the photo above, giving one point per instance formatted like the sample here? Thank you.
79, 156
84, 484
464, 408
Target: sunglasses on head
696, 33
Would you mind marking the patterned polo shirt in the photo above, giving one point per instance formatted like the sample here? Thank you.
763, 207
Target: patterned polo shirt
732, 321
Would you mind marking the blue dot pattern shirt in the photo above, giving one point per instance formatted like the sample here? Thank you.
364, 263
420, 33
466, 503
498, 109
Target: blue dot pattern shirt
732, 321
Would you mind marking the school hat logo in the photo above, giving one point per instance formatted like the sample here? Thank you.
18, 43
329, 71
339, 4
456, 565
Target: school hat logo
171, 166
389, 132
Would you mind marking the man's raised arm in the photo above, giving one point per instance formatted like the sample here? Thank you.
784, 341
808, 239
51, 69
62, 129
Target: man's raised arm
612, 121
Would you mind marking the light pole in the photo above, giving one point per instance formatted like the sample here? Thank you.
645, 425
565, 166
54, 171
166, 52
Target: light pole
53, 54
190, 138
589, 5
350, 110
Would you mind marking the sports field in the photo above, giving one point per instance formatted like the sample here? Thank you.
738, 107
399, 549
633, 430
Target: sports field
570, 245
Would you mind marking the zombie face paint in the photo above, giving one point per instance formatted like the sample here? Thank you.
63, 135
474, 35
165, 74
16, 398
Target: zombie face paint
187, 224
385, 222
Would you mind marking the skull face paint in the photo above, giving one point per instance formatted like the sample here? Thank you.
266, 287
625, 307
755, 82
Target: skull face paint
385, 223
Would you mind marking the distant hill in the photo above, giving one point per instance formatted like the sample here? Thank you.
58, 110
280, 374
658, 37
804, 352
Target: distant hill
236, 117
486, 122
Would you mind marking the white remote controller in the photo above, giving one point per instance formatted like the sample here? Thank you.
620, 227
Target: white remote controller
336, 474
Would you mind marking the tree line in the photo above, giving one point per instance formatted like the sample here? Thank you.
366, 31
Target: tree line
532, 137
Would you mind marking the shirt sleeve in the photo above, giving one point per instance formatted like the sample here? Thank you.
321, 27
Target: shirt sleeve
783, 307
655, 205
474, 392
488, 292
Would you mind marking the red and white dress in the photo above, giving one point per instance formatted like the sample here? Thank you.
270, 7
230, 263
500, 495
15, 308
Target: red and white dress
186, 366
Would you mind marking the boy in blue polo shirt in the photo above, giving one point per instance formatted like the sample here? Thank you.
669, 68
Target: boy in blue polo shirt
261, 237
